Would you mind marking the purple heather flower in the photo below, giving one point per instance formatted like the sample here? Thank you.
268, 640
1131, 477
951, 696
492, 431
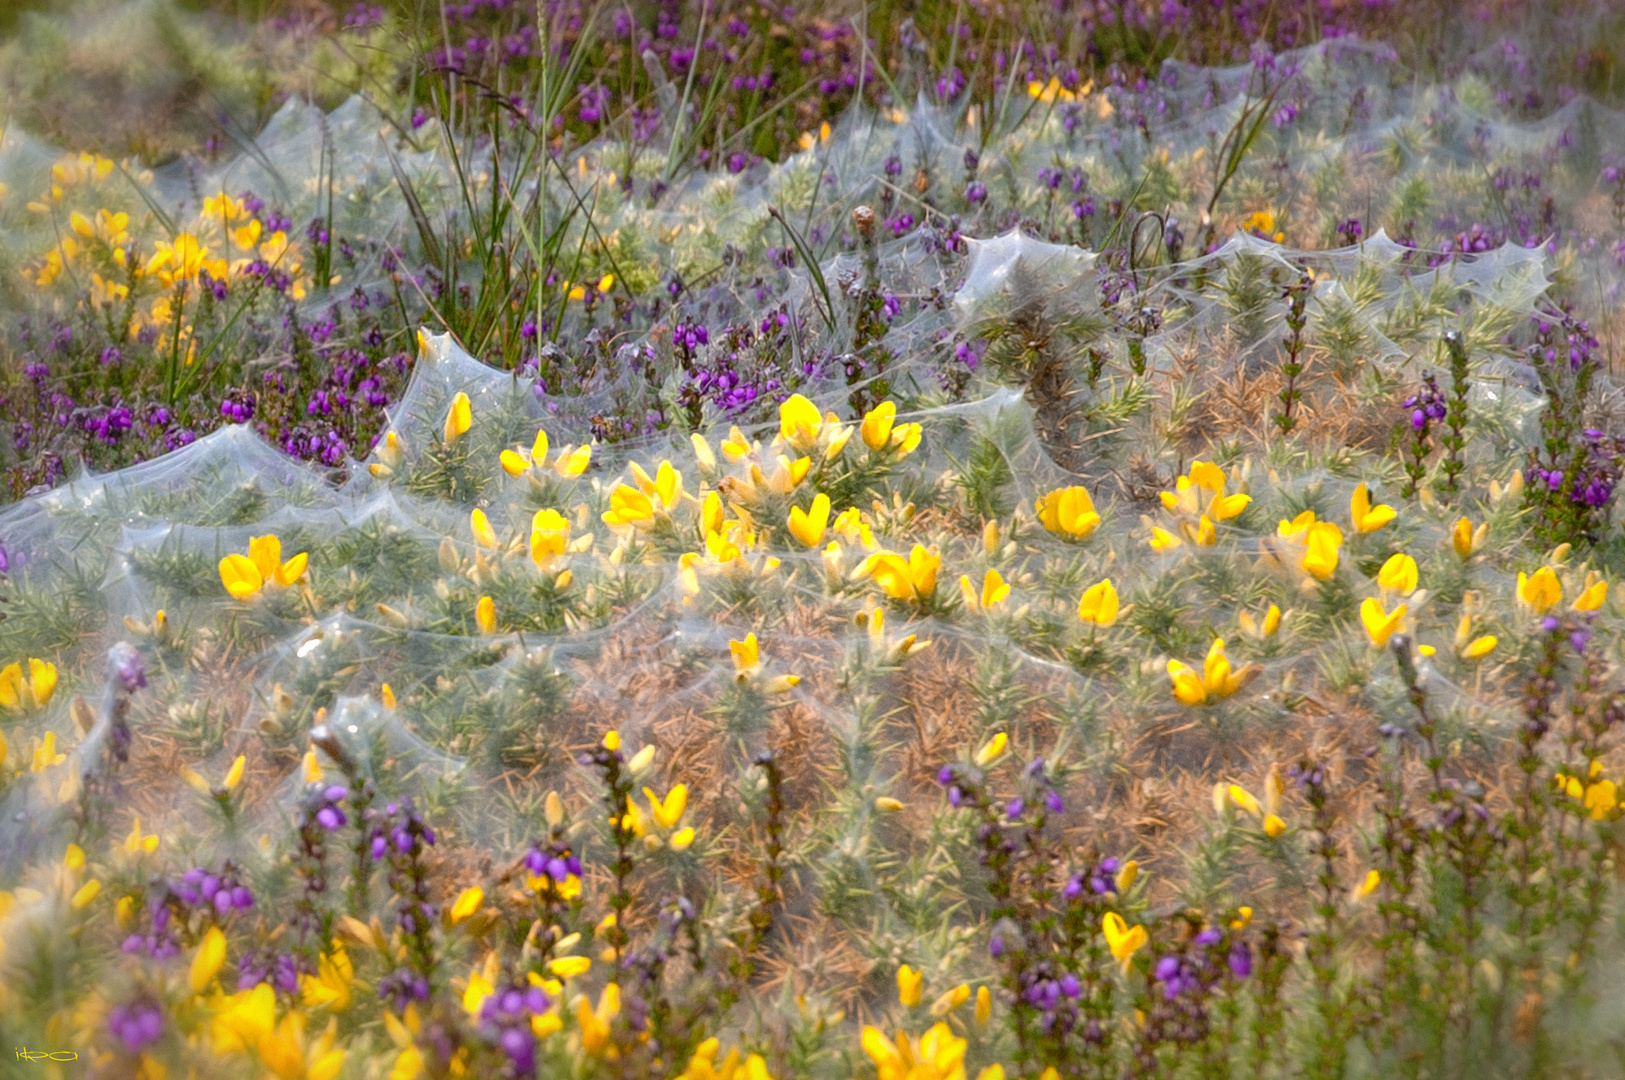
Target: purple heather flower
128, 667
136, 1025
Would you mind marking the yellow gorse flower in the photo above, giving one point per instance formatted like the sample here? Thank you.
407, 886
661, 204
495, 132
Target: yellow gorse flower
1262, 223
1215, 681
1202, 533
136, 843
914, 578
579, 290
1321, 541
182, 260
994, 591
910, 982
882, 432
1049, 92
234, 777
244, 576
108, 227
1099, 604
247, 1021
628, 506
748, 664
549, 537
570, 461
1398, 574
808, 526
330, 986
468, 904
1380, 625
1069, 513
1593, 595
1368, 518
223, 208
1466, 540
85, 894
459, 418
1200, 493
703, 1065
1598, 797
668, 811
800, 422
207, 962
594, 1023
666, 484
1540, 590
1123, 940
939, 1054
747, 654
1162, 539
31, 691
46, 755
1260, 629
657, 494
950, 999
480, 525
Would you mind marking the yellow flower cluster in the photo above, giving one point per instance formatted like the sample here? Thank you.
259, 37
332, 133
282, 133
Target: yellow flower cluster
1215, 681
244, 576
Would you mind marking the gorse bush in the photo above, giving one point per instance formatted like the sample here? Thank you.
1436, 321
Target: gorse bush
576, 564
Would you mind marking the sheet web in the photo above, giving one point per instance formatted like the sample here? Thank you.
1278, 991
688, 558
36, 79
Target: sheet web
1029, 367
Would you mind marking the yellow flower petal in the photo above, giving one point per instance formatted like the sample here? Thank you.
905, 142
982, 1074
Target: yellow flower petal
1099, 604
459, 418
240, 576
211, 956
468, 903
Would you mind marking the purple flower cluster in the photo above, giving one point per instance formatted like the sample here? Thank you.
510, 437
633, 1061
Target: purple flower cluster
504, 1021
1427, 405
237, 407
136, 1025
223, 891
1595, 479
128, 668
402, 987
1054, 995
403, 832
159, 942
689, 336
401, 837
281, 970
327, 801
1191, 971
554, 859
594, 103
1098, 880
1187, 978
